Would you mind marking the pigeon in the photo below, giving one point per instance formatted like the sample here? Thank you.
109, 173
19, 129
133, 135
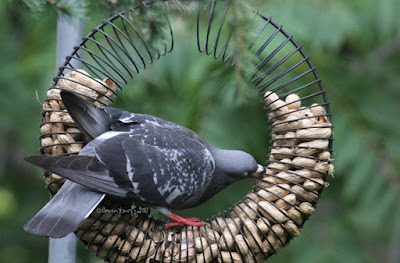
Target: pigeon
137, 157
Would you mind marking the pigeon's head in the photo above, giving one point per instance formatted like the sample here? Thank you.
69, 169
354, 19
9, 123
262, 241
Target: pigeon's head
237, 164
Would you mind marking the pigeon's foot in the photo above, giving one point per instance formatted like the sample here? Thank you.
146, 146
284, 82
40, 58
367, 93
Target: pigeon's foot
178, 220
181, 221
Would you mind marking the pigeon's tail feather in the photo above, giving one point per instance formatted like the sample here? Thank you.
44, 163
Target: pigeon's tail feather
90, 119
84, 170
65, 212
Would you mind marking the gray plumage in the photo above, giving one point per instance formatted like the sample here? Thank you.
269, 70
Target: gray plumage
62, 214
139, 157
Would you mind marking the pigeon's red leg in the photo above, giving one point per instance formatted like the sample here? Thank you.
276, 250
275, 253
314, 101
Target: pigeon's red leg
194, 219
178, 221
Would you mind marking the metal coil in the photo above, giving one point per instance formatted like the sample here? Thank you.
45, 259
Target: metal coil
262, 222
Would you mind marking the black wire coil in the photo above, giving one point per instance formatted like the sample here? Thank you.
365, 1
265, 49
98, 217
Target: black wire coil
117, 49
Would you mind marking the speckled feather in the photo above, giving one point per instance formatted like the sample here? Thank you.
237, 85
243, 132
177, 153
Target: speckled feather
159, 163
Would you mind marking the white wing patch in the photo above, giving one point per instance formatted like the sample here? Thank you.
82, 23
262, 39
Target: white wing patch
173, 195
108, 135
154, 123
128, 118
89, 149
129, 168
164, 188
130, 171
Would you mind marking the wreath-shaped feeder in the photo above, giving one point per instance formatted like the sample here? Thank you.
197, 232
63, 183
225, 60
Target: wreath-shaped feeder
275, 209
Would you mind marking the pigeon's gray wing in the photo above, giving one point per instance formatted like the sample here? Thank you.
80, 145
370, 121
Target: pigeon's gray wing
163, 165
122, 120
65, 212
94, 121
84, 170
90, 119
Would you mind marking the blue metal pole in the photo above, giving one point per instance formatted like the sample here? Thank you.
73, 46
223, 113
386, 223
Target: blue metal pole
69, 34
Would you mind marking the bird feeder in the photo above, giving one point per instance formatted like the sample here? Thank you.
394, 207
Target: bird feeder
275, 209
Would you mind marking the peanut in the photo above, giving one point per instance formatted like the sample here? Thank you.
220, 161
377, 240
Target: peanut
304, 194
271, 212
53, 94
115, 258
210, 235
292, 228
319, 112
227, 237
315, 131
46, 142
312, 147
70, 146
290, 138
208, 254
186, 255
306, 208
56, 126
135, 236
298, 176
292, 122
273, 193
276, 167
230, 257
110, 242
146, 250
200, 243
270, 97
73, 81
320, 169
251, 198
45, 128
56, 149
242, 244
250, 230
295, 216
293, 101
244, 210
93, 237
304, 162
286, 202
125, 247
325, 156
314, 184
91, 224
263, 224
75, 133
113, 229
282, 153
111, 86
51, 105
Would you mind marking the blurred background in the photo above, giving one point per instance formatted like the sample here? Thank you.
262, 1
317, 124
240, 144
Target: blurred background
355, 46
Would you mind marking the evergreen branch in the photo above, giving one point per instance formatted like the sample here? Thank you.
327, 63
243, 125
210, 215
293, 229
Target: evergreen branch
240, 44
183, 6
243, 24
58, 6
70, 8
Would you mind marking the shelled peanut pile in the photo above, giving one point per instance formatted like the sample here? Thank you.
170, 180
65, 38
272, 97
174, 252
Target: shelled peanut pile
265, 221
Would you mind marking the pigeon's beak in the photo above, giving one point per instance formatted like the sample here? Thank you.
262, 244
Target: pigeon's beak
259, 173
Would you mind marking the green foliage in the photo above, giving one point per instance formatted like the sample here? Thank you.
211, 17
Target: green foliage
355, 46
